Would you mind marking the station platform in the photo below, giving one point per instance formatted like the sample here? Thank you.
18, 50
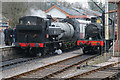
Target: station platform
3, 46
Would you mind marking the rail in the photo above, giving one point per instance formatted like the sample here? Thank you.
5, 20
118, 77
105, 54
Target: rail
55, 67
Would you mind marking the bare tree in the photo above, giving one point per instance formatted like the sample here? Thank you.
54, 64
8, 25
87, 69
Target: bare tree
77, 5
13, 10
94, 7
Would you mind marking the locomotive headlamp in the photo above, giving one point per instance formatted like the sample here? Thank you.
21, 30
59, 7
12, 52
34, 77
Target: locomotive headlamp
90, 38
28, 22
98, 21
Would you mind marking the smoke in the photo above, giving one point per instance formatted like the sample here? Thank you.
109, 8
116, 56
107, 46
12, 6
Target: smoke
36, 12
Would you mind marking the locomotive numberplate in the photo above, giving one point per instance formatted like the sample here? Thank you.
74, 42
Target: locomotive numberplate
94, 42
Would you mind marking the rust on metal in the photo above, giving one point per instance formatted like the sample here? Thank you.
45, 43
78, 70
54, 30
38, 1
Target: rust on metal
113, 1
95, 70
112, 11
61, 70
118, 24
32, 71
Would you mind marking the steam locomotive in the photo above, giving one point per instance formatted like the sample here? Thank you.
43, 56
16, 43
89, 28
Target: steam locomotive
94, 41
36, 35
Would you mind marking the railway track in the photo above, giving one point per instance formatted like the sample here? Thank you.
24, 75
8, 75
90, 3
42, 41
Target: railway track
101, 73
13, 62
84, 68
47, 71
108, 73
16, 61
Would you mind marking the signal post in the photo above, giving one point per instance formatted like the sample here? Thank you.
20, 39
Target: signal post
117, 45
118, 24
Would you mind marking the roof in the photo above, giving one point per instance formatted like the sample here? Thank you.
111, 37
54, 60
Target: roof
75, 12
65, 10
91, 12
86, 11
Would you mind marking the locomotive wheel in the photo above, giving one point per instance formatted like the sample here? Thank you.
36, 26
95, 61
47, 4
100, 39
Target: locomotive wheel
95, 50
99, 50
85, 50
89, 50
32, 52
35, 52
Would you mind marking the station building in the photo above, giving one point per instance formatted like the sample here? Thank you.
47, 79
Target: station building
57, 11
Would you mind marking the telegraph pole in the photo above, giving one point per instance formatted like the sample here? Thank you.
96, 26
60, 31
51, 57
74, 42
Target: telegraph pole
106, 28
114, 30
106, 21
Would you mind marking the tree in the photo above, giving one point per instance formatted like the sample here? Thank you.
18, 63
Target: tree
13, 10
93, 7
77, 5
113, 15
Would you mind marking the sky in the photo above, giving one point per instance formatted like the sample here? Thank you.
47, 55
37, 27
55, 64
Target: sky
84, 2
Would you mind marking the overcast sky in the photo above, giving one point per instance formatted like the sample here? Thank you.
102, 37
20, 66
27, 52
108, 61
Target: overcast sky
84, 2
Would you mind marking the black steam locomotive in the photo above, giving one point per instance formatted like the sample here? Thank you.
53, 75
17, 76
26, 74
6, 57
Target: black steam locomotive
94, 41
38, 35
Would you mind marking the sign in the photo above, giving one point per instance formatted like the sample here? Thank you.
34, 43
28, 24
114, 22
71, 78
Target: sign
3, 24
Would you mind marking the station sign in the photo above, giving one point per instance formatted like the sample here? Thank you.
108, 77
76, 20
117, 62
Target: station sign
3, 24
